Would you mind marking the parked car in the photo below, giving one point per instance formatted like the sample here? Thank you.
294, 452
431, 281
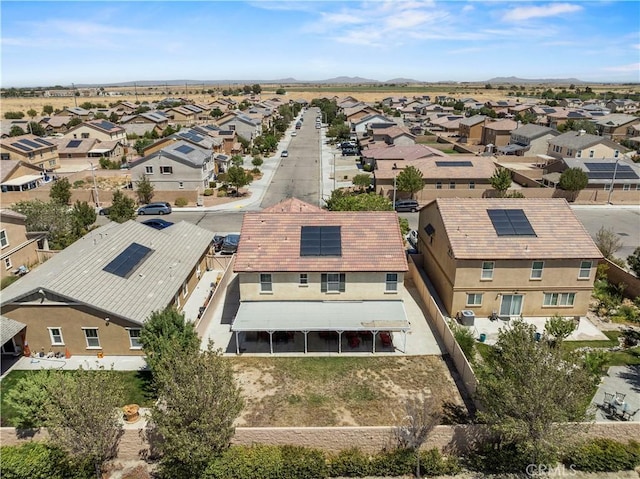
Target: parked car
293, 133
155, 209
412, 238
230, 244
284, 153
157, 223
349, 151
406, 205
298, 125
217, 242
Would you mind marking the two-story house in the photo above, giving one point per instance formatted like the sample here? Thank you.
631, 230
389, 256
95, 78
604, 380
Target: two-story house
30, 149
176, 166
102, 130
18, 248
470, 129
616, 126
579, 144
497, 133
508, 257
311, 271
529, 140
243, 125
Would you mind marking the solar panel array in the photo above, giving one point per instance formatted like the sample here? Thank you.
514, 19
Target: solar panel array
191, 136
106, 125
510, 223
74, 143
453, 163
21, 147
128, 261
605, 171
320, 241
26, 144
186, 149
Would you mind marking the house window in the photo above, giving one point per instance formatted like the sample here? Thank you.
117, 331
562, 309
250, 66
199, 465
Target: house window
472, 185
626, 187
559, 299
52, 163
166, 170
56, 336
536, 269
585, 270
185, 289
177, 300
607, 187
569, 152
474, 299
198, 272
266, 285
591, 153
181, 185
134, 339
333, 283
579, 154
438, 185
7, 263
91, 335
487, 270
4, 239
304, 279
85, 135
452, 185
148, 170
391, 282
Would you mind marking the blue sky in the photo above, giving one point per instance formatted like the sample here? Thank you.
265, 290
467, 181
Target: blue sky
48, 43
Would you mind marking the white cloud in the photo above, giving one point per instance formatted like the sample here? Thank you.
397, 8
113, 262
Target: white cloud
631, 67
519, 14
468, 8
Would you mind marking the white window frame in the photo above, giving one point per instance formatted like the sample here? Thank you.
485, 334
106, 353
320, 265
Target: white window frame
4, 239
591, 153
266, 283
559, 299
7, 262
148, 170
166, 170
134, 338
438, 185
607, 186
536, 273
472, 185
391, 283
579, 154
198, 271
303, 279
584, 268
333, 285
87, 338
474, 299
486, 273
452, 185
626, 187
185, 289
181, 185
616, 153
53, 336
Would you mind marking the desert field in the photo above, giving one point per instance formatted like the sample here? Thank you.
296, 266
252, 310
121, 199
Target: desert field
365, 93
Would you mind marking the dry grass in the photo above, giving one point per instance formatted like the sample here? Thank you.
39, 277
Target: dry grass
302, 392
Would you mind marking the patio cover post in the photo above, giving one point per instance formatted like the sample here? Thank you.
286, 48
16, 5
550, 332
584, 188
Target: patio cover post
270, 341
305, 341
237, 344
340, 341
374, 333
404, 347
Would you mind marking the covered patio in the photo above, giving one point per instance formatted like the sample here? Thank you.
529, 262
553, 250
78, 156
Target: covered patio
275, 318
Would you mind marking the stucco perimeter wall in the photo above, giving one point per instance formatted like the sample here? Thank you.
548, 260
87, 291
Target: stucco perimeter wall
617, 275
458, 439
11, 197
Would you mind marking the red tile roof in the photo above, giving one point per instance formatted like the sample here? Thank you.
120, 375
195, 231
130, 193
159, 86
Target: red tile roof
270, 242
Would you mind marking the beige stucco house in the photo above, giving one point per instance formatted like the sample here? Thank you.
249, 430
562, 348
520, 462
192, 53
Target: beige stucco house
94, 296
307, 270
578, 144
30, 149
18, 247
511, 257
102, 130
497, 133
529, 140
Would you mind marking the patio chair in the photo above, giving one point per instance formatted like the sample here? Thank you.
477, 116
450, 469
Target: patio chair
620, 397
608, 400
628, 416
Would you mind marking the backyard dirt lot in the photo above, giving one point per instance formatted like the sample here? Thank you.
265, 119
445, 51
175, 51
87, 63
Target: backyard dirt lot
305, 392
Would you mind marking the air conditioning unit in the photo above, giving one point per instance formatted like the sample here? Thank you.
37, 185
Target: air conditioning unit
467, 317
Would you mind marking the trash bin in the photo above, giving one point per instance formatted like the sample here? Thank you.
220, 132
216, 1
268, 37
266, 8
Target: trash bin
537, 336
483, 337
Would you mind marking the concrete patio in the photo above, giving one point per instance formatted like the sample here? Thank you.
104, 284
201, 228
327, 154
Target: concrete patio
619, 379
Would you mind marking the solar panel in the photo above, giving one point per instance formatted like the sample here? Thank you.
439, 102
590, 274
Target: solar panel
454, 163
74, 143
45, 143
601, 166
184, 149
21, 147
128, 261
510, 223
106, 125
30, 143
320, 241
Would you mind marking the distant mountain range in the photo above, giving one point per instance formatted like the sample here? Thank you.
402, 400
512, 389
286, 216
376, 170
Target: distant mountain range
341, 80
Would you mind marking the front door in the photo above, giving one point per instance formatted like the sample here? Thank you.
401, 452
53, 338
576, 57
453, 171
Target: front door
511, 305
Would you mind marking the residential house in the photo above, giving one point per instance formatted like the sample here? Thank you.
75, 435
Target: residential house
18, 175
230, 143
112, 150
176, 166
126, 108
578, 144
529, 140
102, 130
616, 126
11, 336
18, 248
392, 135
55, 124
446, 123
362, 124
182, 115
623, 106
30, 149
355, 113
74, 148
95, 295
470, 129
562, 116
244, 126
508, 257
7, 125
306, 270
497, 133
570, 102
606, 174
398, 155
76, 112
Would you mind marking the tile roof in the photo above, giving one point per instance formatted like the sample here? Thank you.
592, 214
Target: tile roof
27, 143
396, 152
533, 131
559, 234
9, 328
69, 146
439, 168
502, 125
473, 120
77, 271
577, 141
616, 119
293, 205
270, 242
104, 125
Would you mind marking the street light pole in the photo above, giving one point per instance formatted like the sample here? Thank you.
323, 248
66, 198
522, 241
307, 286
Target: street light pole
95, 186
395, 176
334, 170
613, 180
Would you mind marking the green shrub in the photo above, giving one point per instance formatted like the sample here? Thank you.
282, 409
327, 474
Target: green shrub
78, 183
303, 463
255, 171
208, 192
432, 463
222, 192
394, 463
494, 457
40, 460
212, 184
603, 455
465, 340
180, 202
350, 463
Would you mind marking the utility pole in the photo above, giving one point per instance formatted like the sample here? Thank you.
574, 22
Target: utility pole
75, 97
613, 180
135, 88
95, 186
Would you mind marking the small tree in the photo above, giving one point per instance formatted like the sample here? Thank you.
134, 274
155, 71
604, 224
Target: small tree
633, 260
256, 88
342, 201
198, 402
61, 191
608, 242
237, 160
74, 122
420, 418
409, 180
216, 112
501, 181
573, 180
238, 177
257, 162
83, 215
144, 189
47, 109
16, 131
362, 181
559, 328
31, 113
122, 208
28, 399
